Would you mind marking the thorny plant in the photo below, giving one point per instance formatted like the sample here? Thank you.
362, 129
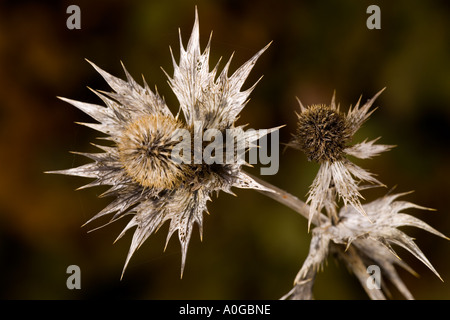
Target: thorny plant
150, 185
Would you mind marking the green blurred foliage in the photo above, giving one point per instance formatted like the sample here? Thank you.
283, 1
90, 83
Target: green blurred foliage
252, 247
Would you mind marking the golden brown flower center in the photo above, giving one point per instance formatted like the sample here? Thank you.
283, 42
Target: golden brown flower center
145, 150
322, 133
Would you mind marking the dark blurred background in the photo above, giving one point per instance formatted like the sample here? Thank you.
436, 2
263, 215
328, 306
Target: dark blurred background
252, 246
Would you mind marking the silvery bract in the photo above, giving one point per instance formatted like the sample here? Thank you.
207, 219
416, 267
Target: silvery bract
146, 182
360, 243
152, 186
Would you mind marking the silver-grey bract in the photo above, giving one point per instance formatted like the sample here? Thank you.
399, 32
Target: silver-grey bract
138, 122
150, 186
361, 235
361, 243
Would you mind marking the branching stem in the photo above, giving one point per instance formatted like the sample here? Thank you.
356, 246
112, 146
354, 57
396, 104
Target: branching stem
289, 200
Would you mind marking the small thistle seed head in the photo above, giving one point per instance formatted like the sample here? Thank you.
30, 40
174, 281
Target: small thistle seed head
145, 149
322, 133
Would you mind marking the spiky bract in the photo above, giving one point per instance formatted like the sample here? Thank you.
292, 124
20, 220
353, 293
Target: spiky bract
145, 181
361, 243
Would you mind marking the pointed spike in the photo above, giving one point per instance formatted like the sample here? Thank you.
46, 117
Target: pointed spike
406, 242
196, 14
224, 73
347, 246
405, 266
216, 67
311, 214
386, 244
115, 83
95, 126
169, 81
241, 74
85, 171
103, 225
146, 87
182, 50
95, 111
169, 235
403, 219
357, 103
249, 90
138, 238
333, 101
193, 45
184, 247
128, 75
302, 108
174, 63
208, 45
104, 148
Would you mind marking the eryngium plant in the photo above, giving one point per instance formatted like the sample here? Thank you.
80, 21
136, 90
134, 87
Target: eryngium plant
323, 134
361, 235
360, 243
153, 187
146, 181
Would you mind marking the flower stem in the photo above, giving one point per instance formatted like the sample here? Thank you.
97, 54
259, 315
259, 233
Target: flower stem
288, 200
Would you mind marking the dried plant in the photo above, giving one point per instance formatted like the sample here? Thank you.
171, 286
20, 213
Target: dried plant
146, 180
154, 187
323, 134
360, 243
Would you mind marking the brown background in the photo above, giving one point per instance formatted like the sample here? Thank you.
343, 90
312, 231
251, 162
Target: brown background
252, 247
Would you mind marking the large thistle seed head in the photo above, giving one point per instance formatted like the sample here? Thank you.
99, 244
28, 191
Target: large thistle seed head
146, 180
145, 151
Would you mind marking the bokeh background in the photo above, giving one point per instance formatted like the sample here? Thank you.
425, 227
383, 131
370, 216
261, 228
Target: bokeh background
252, 246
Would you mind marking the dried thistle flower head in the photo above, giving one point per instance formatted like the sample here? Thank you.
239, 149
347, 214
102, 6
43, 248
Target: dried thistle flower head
145, 150
360, 243
145, 180
323, 134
